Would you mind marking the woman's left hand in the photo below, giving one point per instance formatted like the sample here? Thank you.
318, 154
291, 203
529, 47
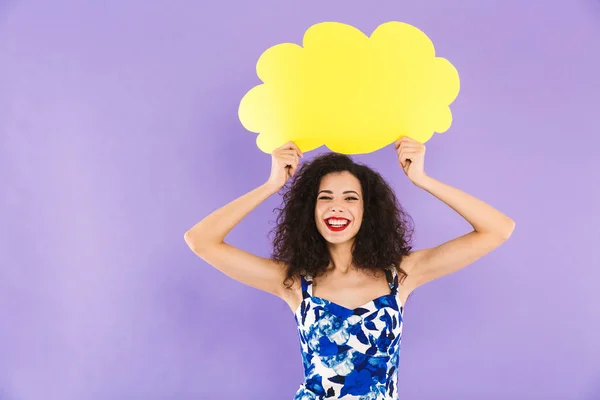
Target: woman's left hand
411, 157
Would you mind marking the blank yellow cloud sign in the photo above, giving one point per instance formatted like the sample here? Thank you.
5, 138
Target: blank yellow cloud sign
353, 93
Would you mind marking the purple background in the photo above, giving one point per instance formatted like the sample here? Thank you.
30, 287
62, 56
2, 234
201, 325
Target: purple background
119, 131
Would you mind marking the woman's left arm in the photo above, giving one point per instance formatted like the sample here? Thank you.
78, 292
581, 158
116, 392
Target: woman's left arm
491, 228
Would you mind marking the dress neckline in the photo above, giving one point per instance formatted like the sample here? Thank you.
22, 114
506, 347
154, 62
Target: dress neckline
391, 277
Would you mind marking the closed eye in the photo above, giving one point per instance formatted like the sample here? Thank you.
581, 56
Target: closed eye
329, 198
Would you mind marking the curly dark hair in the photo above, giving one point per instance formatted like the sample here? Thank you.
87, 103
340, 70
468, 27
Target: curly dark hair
382, 240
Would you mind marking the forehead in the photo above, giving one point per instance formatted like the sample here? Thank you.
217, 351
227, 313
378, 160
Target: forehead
339, 181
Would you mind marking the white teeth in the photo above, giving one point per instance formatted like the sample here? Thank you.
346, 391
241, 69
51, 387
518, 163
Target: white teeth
337, 222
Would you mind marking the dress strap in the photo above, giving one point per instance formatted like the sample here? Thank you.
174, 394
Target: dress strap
392, 278
306, 286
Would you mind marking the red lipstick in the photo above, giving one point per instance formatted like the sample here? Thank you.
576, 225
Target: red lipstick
337, 228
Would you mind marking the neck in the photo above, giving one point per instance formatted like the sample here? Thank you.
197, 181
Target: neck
341, 256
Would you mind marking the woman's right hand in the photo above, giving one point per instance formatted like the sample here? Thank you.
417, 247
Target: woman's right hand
284, 162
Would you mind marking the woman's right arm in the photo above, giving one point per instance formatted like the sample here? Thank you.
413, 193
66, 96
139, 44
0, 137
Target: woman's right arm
207, 238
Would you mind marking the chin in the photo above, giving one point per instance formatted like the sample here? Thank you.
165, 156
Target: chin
332, 238
338, 241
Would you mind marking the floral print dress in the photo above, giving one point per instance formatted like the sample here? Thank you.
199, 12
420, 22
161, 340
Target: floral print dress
350, 354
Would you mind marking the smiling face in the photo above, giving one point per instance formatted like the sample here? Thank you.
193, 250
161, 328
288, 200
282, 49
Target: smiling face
339, 207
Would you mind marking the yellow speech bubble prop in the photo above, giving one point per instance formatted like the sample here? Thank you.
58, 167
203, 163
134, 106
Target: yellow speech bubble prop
353, 93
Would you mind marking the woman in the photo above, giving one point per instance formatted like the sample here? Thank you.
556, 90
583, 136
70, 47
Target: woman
343, 263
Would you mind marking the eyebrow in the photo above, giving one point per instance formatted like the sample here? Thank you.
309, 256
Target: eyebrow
330, 192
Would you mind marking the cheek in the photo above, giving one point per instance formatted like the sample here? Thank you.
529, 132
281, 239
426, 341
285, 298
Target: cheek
358, 223
358, 213
318, 211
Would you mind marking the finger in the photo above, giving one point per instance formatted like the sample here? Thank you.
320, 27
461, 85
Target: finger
409, 150
289, 155
288, 145
292, 146
402, 139
293, 168
408, 139
411, 145
289, 160
296, 151
405, 162
405, 155
402, 162
402, 158
289, 152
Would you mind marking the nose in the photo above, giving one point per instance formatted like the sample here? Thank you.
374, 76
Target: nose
336, 208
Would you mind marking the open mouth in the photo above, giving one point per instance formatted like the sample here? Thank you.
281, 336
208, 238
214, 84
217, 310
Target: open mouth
337, 224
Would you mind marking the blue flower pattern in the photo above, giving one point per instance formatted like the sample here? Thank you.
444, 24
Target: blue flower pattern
350, 354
